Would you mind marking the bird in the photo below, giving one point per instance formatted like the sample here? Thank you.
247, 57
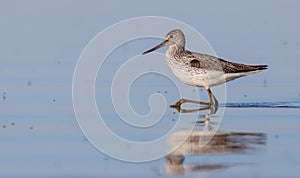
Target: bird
200, 70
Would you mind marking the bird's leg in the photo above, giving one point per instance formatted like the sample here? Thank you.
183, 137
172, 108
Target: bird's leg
213, 100
181, 101
179, 109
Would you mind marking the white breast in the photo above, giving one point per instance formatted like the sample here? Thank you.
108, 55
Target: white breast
195, 77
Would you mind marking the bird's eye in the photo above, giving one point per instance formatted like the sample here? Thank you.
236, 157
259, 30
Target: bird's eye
171, 36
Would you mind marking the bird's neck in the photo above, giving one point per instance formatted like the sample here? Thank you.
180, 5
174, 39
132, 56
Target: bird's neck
175, 50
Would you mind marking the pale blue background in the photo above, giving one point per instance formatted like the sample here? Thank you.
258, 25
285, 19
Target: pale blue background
40, 42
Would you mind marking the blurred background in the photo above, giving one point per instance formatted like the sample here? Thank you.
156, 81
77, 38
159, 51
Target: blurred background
40, 43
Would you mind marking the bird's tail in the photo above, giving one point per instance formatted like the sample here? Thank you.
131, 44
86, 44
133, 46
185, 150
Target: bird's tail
259, 67
251, 68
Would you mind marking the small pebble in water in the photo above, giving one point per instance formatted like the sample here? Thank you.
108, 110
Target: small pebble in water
174, 112
245, 95
173, 119
4, 126
265, 83
12, 123
4, 97
166, 92
31, 127
158, 91
285, 43
53, 100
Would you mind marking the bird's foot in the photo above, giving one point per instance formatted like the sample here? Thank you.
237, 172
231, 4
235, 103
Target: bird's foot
178, 103
181, 101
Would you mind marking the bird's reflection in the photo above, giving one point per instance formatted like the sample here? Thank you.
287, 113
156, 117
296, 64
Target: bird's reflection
220, 142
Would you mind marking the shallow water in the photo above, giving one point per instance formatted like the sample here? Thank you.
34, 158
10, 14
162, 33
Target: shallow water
255, 139
259, 132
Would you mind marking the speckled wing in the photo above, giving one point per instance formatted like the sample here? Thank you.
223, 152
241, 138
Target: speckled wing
231, 67
217, 64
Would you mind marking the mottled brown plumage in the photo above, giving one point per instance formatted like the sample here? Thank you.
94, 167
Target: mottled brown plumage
229, 67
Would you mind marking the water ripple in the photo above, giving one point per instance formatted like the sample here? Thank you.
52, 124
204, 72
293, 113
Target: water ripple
295, 105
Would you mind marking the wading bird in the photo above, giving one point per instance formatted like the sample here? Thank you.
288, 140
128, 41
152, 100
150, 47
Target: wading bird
201, 70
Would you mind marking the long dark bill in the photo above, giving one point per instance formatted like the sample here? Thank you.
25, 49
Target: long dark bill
156, 47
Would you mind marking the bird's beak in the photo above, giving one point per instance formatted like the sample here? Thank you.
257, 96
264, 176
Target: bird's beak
156, 47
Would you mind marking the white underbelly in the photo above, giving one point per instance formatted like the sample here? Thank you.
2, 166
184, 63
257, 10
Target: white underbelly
196, 77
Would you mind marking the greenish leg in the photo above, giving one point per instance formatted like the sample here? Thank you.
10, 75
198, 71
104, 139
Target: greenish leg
213, 100
181, 101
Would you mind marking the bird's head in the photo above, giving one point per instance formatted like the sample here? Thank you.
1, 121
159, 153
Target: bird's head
174, 37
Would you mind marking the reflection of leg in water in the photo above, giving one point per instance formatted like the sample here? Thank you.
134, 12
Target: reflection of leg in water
206, 122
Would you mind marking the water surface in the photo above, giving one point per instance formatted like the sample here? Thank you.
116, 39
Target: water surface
41, 42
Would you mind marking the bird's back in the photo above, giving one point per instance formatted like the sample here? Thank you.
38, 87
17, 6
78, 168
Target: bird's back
231, 70
209, 62
220, 70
